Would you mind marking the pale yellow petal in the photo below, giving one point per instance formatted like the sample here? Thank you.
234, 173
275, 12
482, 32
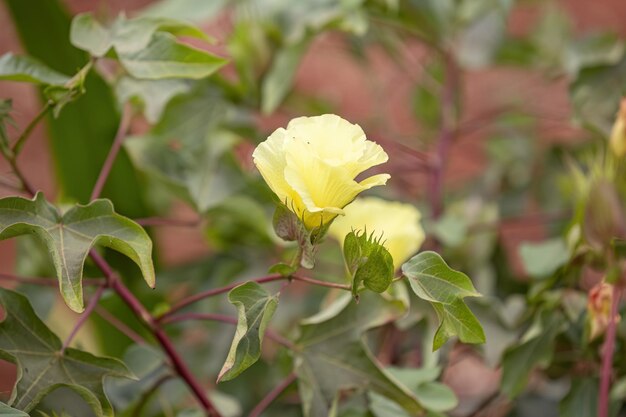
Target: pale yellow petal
269, 158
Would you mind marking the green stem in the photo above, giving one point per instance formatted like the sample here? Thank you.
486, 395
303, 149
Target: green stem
21, 140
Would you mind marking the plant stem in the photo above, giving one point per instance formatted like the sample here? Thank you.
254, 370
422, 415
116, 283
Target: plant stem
140, 311
21, 140
446, 135
83, 318
607, 355
271, 334
345, 287
210, 293
115, 148
269, 278
272, 395
26, 186
123, 328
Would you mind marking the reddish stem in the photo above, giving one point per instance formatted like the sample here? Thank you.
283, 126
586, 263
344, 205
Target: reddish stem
216, 291
269, 278
123, 328
272, 395
446, 136
83, 318
140, 311
115, 148
607, 355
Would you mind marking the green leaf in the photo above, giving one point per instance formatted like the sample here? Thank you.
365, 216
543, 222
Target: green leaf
79, 142
596, 93
542, 259
536, 350
434, 281
196, 126
255, 308
189, 10
70, 236
332, 356
153, 95
125, 35
279, 77
433, 395
27, 69
42, 367
581, 400
163, 57
7, 411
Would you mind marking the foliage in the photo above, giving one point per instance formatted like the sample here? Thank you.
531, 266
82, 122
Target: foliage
149, 111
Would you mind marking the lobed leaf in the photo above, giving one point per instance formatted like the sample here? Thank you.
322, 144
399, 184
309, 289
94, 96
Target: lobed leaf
333, 357
255, 308
70, 236
42, 366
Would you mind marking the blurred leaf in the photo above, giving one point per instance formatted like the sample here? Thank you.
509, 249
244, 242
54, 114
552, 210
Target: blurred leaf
149, 365
80, 141
479, 40
25, 68
187, 149
163, 57
153, 95
279, 77
551, 38
451, 229
592, 50
333, 358
255, 308
70, 236
7, 411
542, 259
596, 93
432, 395
25, 340
582, 399
239, 221
536, 350
434, 281
190, 10
125, 35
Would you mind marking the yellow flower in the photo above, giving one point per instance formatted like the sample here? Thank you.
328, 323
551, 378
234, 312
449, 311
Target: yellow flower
311, 166
399, 224
617, 140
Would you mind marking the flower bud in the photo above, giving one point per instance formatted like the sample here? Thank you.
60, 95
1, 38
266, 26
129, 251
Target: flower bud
604, 216
599, 309
397, 223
